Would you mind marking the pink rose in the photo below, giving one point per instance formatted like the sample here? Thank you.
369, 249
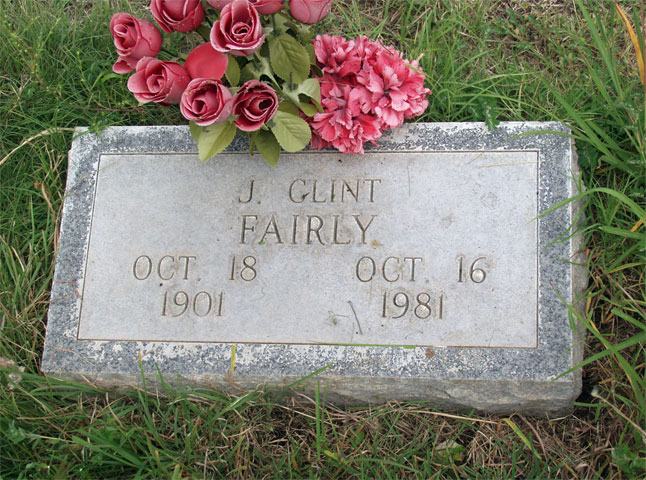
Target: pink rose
206, 62
124, 64
158, 81
133, 38
309, 11
264, 7
254, 104
206, 102
219, 4
267, 7
238, 31
177, 15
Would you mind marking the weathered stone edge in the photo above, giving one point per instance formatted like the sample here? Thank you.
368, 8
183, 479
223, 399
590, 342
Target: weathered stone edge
64, 354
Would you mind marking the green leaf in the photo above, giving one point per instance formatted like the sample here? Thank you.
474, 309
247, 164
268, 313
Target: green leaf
252, 143
448, 452
281, 23
308, 109
306, 34
317, 70
204, 31
248, 72
288, 107
629, 462
289, 59
292, 132
268, 146
486, 109
266, 69
233, 71
196, 131
255, 69
311, 88
310, 51
214, 139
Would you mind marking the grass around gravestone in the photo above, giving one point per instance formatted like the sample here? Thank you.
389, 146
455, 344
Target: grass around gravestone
486, 61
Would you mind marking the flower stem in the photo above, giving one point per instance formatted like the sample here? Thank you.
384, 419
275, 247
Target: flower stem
273, 24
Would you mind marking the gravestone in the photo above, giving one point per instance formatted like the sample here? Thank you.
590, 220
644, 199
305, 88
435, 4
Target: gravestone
422, 270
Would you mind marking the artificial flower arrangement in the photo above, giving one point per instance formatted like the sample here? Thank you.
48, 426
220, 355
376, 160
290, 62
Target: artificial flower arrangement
261, 73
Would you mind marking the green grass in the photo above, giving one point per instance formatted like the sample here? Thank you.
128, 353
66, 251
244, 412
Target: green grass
485, 61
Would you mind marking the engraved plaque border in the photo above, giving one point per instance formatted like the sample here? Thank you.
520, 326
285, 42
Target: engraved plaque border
324, 153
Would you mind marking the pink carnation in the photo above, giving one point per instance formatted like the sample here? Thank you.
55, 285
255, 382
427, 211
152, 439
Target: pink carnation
368, 51
366, 88
342, 124
397, 90
336, 55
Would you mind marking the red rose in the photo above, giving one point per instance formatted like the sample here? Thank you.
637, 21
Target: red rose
133, 38
158, 81
177, 15
206, 62
254, 104
206, 102
264, 7
238, 31
309, 11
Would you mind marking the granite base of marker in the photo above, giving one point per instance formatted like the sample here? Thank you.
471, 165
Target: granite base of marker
520, 372
490, 396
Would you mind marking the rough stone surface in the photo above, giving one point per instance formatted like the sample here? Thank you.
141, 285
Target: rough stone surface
146, 227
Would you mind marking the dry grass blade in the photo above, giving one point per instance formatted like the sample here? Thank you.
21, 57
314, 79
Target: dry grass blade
46, 132
633, 38
639, 223
596, 394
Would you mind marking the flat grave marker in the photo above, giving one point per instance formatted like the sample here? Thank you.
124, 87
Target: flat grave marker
422, 270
